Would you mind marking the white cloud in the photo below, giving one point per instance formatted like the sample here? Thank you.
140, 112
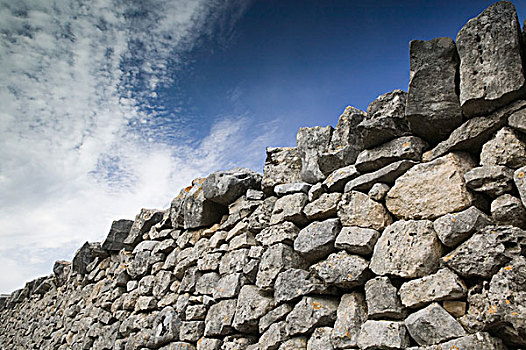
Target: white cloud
78, 148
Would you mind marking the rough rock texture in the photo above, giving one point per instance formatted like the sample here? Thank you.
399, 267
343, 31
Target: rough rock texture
283, 165
357, 209
118, 233
491, 62
311, 312
383, 335
387, 175
316, 241
493, 180
382, 299
508, 210
224, 187
351, 314
310, 143
506, 149
453, 229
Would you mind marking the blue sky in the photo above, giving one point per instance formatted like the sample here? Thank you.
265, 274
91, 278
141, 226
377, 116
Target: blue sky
110, 106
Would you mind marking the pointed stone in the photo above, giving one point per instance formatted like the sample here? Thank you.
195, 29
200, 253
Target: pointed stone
283, 165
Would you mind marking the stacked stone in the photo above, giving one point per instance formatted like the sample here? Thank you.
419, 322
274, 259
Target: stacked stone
402, 227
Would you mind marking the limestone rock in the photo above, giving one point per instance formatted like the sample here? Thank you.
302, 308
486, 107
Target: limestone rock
486, 251
209, 344
443, 285
504, 149
179, 345
274, 315
228, 286
311, 312
198, 210
260, 218
336, 181
84, 256
224, 187
320, 339
142, 224
61, 271
433, 106
273, 336
275, 259
508, 210
342, 270
407, 147
385, 119
294, 283
310, 143
233, 261
493, 180
323, 207
480, 340
382, 299
518, 121
433, 189
219, 318
379, 191
252, 303
357, 209
316, 191
453, 229
407, 249
350, 315
289, 208
520, 181
357, 240
316, 241
191, 331
491, 66
118, 233
283, 165
295, 343
383, 335
433, 325
285, 232
290, 188
387, 175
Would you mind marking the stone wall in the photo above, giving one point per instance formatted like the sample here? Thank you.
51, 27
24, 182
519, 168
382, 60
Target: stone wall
402, 227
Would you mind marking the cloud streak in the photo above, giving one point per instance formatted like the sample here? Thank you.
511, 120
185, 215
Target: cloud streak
84, 138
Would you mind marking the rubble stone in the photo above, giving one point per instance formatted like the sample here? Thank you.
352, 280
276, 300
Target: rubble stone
224, 187
283, 165
504, 149
311, 312
453, 229
357, 209
316, 241
342, 270
357, 240
493, 180
350, 315
323, 207
508, 210
382, 299
383, 335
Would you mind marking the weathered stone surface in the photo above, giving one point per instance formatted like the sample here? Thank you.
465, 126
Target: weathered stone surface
506, 149
199, 211
233, 261
407, 147
387, 174
209, 344
142, 224
84, 256
382, 299
407, 249
518, 121
61, 271
273, 336
323, 207
490, 79
385, 119
260, 218
336, 181
508, 210
224, 187
228, 286
342, 270
316, 191
283, 165
311, 142
252, 303
520, 182
207, 283
357, 209
274, 315
383, 335
191, 331
443, 285
433, 106
455, 308
118, 233
480, 340
351, 314
311, 312
296, 343
493, 180
290, 188
320, 339
433, 325
379, 191
486, 251
285, 232
219, 318
357, 240
294, 283
453, 229
289, 208
430, 190
275, 259
179, 345
316, 241
473, 133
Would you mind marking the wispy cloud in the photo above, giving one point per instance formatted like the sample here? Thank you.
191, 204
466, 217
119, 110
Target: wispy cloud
83, 137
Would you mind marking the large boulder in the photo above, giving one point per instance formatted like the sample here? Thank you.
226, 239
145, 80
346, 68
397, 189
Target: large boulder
433, 106
283, 165
311, 142
224, 187
430, 190
491, 60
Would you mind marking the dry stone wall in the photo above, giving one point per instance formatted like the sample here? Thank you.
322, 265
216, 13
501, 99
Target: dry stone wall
403, 227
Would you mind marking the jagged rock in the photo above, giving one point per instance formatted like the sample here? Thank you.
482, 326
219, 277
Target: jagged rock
274, 315
350, 315
289, 208
228, 286
520, 181
486, 251
342, 270
407, 147
191, 331
379, 191
357, 209
345, 142
294, 283
196, 312
453, 229
285, 232
283, 165
387, 174
277, 258
316, 241
207, 283
273, 336
142, 224
243, 240
290, 188
504, 149
209, 344
407, 249
198, 210
316, 191
145, 303
166, 326
433, 325
61, 270
311, 142
430, 190
473, 133
490, 79
493, 180
508, 210
518, 121
84, 256
442, 285
233, 261
323, 207
320, 339
480, 340
336, 181
119, 231
385, 119
433, 106
296, 343
260, 218
357, 240
382, 299
383, 335
224, 187
219, 318
311, 312
252, 303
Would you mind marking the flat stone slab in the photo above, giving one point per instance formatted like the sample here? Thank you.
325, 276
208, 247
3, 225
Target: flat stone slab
477, 341
336, 181
493, 180
290, 188
386, 175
